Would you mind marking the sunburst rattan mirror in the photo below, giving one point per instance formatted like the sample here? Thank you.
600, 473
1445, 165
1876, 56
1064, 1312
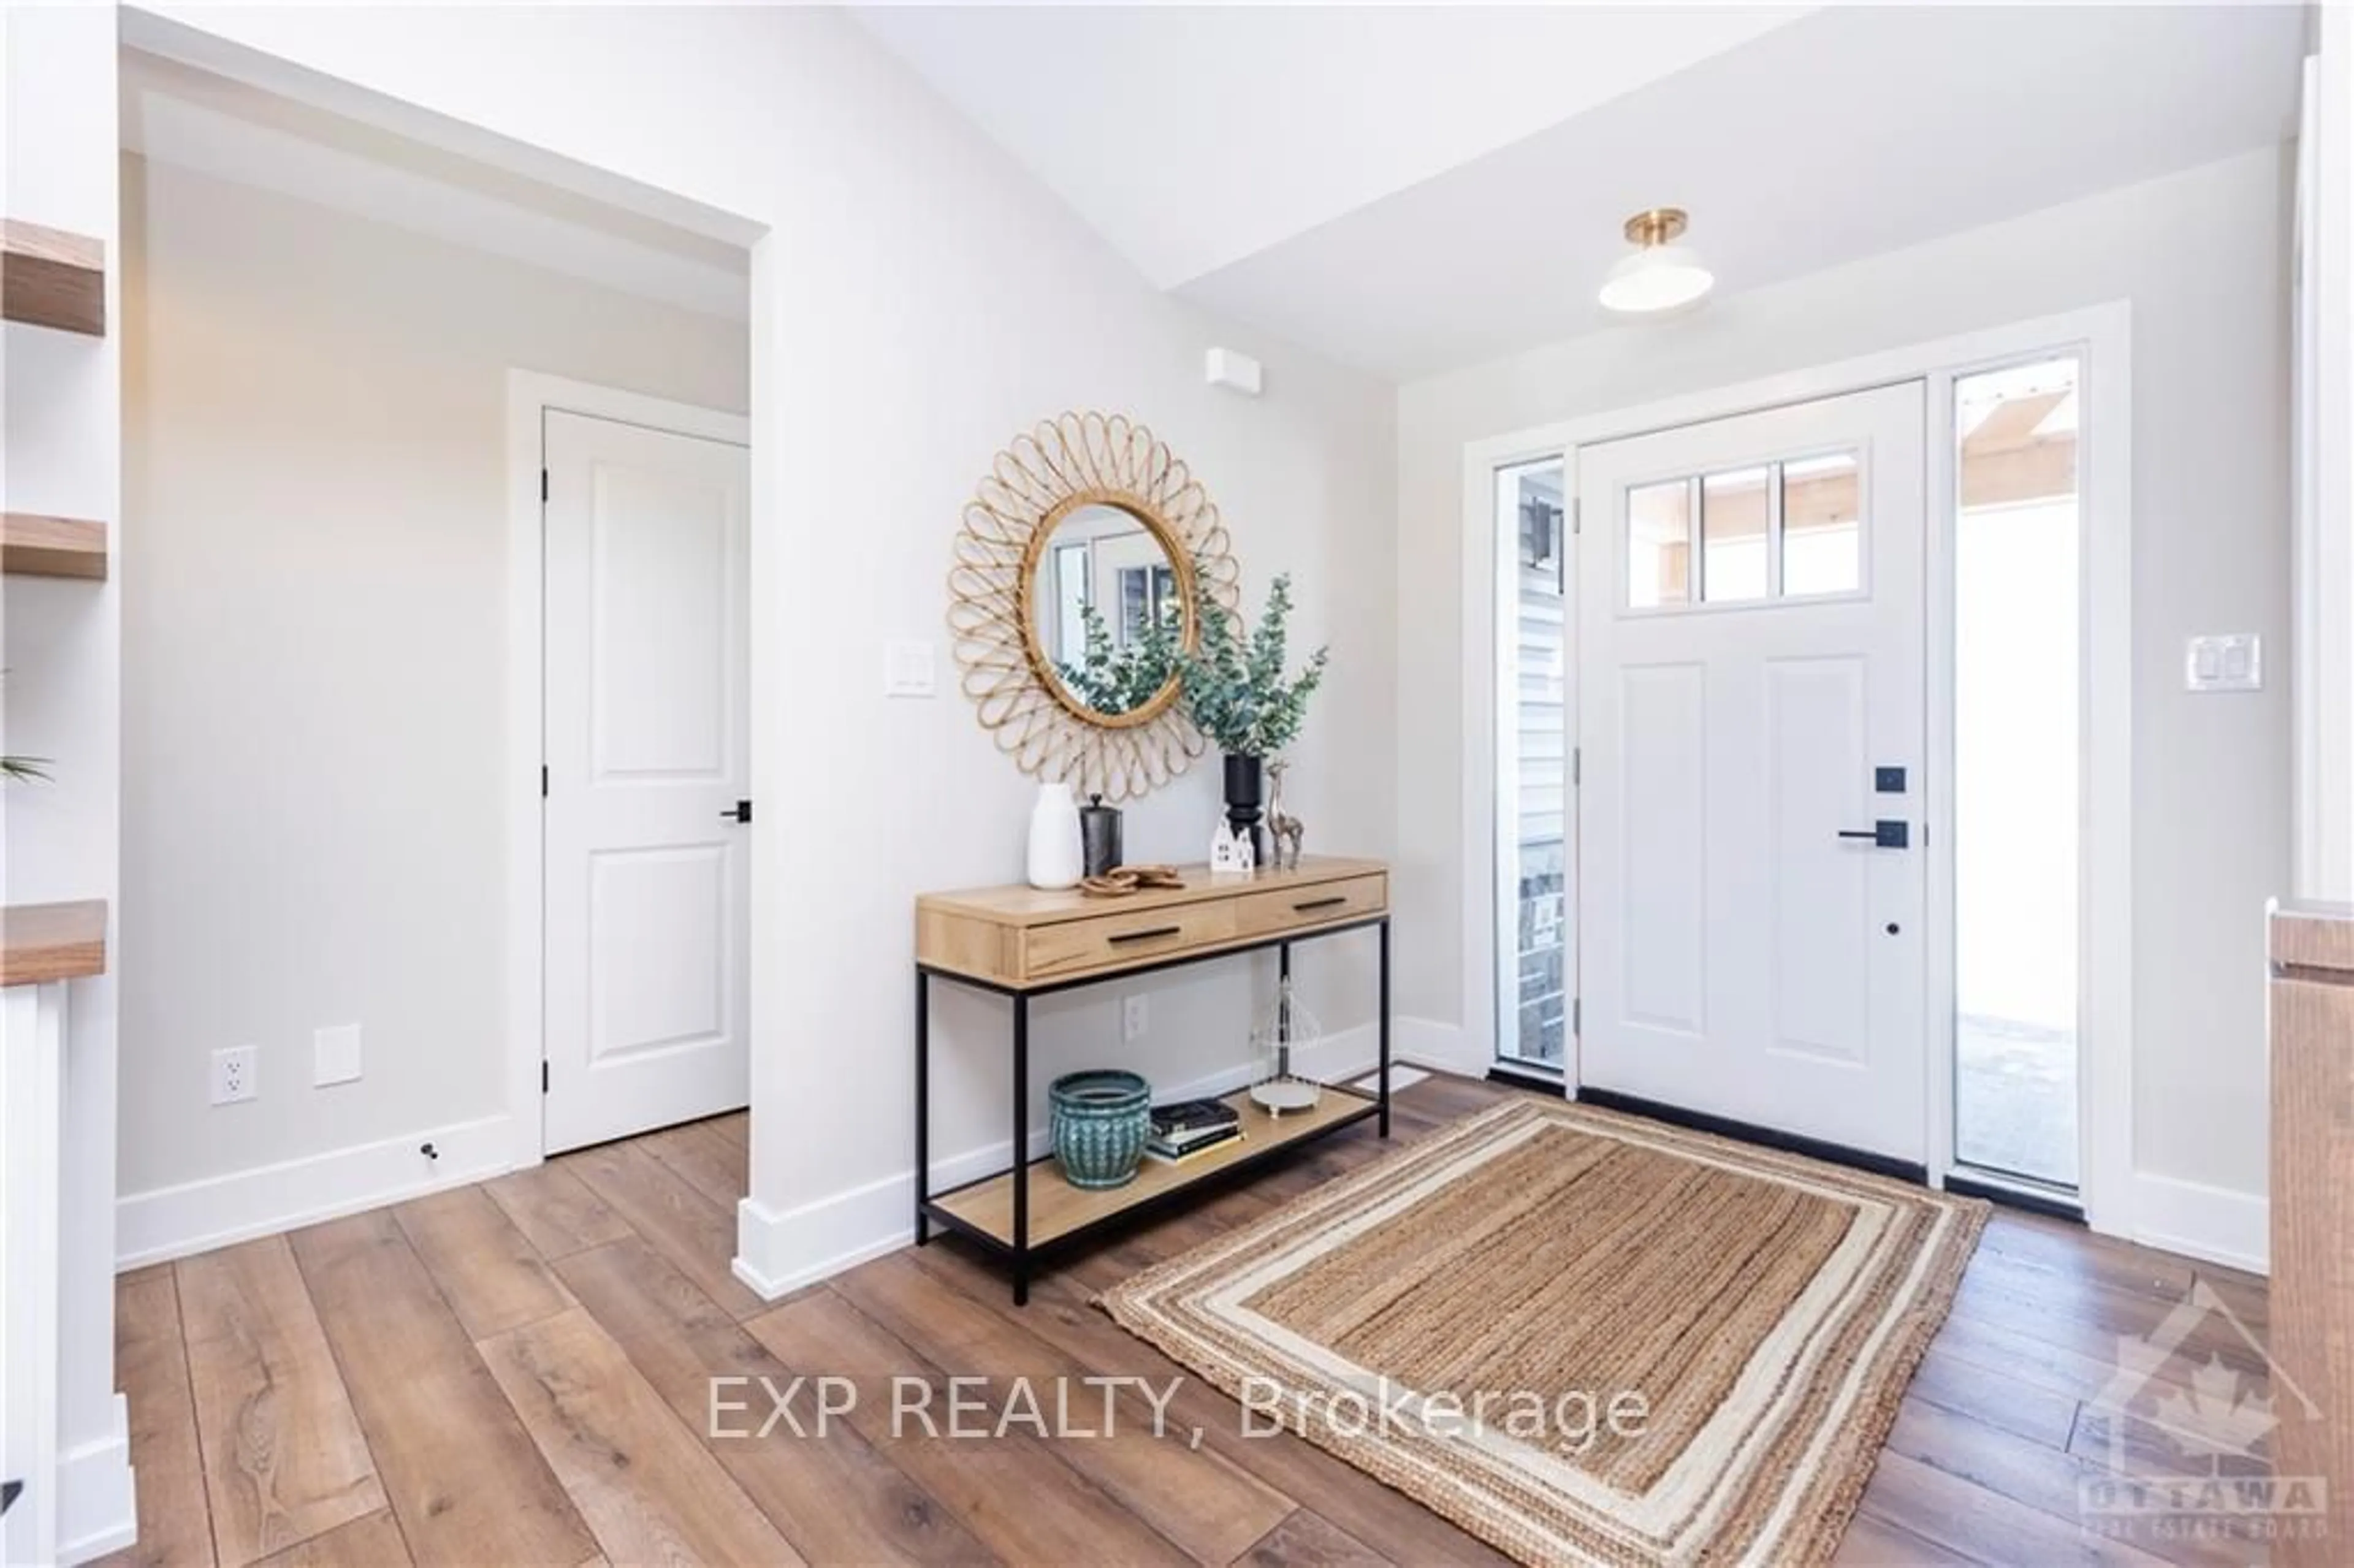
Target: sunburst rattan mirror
1081, 569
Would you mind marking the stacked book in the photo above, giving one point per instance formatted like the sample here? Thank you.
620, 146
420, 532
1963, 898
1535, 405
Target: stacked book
1191, 1129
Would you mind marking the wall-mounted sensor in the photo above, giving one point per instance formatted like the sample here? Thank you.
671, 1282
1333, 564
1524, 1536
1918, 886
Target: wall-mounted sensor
1230, 367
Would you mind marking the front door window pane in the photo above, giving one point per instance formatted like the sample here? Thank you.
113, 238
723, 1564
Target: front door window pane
1822, 525
1659, 545
1735, 528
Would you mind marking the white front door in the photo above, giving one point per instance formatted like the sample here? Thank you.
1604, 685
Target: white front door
648, 880
1751, 656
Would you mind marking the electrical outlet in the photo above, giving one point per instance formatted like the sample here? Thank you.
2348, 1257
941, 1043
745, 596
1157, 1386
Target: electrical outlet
237, 1075
335, 1054
1135, 1016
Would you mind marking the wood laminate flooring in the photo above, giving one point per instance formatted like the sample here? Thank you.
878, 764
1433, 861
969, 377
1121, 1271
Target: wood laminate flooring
519, 1372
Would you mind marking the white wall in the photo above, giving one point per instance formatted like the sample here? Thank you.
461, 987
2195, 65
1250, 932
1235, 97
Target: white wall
314, 730
2325, 856
2202, 256
917, 302
61, 695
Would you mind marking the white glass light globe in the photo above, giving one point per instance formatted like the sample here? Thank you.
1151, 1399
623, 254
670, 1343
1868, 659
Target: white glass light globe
1654, 279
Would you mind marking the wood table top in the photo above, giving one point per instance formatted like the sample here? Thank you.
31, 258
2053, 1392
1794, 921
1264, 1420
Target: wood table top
1019, 904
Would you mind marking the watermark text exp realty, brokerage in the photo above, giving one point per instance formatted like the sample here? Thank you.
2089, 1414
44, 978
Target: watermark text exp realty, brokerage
1068, 1409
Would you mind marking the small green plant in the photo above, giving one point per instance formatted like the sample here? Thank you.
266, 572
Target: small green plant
1121, 680
1236, 691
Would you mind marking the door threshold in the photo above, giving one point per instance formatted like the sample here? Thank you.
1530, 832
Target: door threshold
1514, 1075
2051, 1205
1909, 1170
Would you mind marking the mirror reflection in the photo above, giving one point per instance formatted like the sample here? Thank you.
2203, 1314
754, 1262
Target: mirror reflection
1108, 611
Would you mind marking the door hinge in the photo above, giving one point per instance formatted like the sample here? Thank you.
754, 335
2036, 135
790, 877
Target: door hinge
543, 780
543, 487
1577, 765
543, 1076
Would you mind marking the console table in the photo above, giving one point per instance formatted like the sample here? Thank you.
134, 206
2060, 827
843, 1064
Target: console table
1020, 943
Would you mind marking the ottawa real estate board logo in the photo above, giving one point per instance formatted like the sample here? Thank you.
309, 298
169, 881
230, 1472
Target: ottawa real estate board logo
2183, 1434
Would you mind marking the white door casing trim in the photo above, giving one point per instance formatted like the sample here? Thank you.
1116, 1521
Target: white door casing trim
2102, 335
530, 395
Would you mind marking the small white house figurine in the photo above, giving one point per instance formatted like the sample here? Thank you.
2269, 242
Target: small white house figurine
1230, 853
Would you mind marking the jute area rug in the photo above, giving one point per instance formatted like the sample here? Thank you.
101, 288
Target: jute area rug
1582, 1337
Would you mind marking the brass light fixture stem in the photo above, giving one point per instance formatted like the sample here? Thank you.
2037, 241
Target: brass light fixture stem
1659, 226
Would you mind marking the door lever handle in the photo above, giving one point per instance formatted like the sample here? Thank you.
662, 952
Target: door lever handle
741, 811
1886, 834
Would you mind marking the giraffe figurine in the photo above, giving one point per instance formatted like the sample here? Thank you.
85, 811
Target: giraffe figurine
1282, 827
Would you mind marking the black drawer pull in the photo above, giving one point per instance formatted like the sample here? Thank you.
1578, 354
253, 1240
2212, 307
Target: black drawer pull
1337, 899
1147, 935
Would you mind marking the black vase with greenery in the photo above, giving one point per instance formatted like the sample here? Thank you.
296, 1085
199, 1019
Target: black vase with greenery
1245, 799
1236, 695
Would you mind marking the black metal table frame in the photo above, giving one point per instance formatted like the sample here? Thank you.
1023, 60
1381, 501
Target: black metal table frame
1019, 1252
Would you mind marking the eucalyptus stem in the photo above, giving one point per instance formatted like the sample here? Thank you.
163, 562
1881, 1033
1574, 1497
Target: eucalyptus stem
1236, 693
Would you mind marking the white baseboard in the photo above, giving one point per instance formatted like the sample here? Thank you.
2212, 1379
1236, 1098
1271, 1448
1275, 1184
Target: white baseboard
777, 1252
2215, 1224
97, 1510
198, 1216
1443, 1048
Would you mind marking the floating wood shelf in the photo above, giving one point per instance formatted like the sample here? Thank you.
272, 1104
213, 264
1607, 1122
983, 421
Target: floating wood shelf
32, 546
42, 942
53, 278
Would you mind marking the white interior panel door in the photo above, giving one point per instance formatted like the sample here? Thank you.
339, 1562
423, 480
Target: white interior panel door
648, 889
1751, 650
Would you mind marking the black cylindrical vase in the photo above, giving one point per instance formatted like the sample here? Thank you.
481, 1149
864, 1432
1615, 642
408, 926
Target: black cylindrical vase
1099, 835
1245, 799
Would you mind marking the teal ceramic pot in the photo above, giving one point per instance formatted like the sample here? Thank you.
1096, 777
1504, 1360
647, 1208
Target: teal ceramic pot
1099, 1119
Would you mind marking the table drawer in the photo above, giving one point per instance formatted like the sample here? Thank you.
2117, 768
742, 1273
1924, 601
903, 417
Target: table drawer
1317, 904
1075, 947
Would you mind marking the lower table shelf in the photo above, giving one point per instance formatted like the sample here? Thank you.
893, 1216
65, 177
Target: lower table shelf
1059, 1211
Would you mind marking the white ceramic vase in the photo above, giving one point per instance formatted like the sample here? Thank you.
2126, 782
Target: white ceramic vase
1057, 858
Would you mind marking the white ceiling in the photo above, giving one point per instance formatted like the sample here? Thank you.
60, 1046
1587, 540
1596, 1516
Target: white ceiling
1410, 190
1193, 136
173, 113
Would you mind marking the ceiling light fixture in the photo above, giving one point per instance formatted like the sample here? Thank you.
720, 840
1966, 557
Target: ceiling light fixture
1662, 275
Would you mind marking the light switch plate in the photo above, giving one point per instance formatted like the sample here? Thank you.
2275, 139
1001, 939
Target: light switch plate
908, 668
335, 1054
2231, 662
